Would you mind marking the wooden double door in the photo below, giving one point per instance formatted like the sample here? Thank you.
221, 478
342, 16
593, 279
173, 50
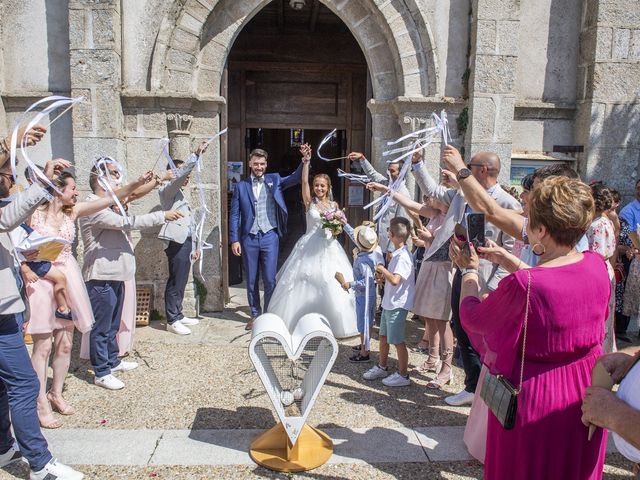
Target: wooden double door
265, 101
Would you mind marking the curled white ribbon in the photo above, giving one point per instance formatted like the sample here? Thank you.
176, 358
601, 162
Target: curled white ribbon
55, 102
322, 144
424, 138
201, 212
105, 180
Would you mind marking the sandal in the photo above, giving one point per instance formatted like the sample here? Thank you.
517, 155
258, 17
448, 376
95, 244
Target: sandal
440, 381
51, 424
357, 358
56, 407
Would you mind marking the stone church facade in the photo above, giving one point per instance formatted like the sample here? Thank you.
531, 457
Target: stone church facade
520, 77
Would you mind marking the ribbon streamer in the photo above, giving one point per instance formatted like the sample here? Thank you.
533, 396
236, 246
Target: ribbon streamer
54, 102
353, 177
201, 212
424, 137
322, 143
105, 179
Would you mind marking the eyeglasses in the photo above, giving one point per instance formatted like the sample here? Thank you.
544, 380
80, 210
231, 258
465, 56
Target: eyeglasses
475, 165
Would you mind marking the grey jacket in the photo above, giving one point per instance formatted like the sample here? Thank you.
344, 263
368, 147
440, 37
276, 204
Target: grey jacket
11, 216
172, 198
108, 254
490, 274
395, 210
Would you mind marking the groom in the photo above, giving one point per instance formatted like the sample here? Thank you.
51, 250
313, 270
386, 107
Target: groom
257, 221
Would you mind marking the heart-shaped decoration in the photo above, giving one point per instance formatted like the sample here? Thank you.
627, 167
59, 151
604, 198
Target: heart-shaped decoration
293, 366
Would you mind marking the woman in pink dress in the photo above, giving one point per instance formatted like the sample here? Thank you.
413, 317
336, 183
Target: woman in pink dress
568, 307
57, 218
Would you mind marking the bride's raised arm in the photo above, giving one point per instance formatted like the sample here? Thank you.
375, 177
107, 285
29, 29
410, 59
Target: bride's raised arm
305, 150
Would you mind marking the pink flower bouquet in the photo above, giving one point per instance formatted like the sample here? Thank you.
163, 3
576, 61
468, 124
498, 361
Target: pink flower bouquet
332, 221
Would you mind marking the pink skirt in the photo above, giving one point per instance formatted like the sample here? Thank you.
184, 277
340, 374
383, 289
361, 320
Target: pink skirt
127, 323
475, 432
43, 306
433, 291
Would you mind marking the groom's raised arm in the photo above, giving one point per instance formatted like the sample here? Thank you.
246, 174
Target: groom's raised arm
293, 179
234, 215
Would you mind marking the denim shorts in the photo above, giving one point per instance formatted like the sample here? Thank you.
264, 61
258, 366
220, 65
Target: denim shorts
392, 325
40, 268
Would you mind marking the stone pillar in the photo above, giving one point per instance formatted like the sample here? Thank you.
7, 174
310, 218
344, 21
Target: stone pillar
608, 106
492, 85
95, 51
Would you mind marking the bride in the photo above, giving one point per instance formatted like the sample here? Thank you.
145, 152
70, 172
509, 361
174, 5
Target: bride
306, 283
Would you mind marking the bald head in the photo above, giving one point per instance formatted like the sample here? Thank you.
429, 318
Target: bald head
489, 160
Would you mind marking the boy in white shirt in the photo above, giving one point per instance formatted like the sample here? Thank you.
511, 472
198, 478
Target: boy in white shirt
397, 300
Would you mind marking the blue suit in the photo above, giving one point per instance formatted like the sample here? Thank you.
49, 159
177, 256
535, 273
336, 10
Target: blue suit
259, 251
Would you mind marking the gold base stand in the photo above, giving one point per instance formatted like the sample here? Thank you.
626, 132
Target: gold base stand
273, 450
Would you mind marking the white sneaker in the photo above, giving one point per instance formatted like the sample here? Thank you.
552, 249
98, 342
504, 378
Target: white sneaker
189, 321
125, 366
178, 328
109, 382
396, 380
459, 399
375, 372
55, 470
10, 456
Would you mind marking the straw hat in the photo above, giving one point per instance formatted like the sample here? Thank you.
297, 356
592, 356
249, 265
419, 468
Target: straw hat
366, 238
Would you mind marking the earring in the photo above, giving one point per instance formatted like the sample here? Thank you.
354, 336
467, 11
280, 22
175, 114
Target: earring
538, 253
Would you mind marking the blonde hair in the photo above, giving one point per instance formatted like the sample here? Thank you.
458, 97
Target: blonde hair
564, 206
327, 179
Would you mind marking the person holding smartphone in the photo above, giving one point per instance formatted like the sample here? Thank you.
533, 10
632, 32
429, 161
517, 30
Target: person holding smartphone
484, 167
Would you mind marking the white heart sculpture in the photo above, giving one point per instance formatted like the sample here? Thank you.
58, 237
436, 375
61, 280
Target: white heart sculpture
293, 366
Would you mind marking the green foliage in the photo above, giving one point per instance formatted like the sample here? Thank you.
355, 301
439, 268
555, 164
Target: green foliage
463, 121
201, 290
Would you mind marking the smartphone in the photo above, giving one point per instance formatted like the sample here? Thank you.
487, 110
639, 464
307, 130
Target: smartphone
475, 229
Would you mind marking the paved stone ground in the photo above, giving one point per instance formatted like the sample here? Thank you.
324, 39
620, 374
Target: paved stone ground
193, 406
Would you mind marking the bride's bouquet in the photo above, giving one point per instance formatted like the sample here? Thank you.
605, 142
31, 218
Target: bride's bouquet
332, 221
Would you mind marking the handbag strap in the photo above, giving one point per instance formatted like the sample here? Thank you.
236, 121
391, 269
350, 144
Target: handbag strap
524, 335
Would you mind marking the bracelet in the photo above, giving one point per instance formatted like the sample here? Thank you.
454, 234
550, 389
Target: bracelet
466, 271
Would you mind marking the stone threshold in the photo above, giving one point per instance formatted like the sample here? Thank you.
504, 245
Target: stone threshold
231, 447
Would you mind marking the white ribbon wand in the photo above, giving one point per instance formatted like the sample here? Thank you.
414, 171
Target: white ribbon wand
55, 102
202, 211
323, 143
353, 177
367, 334
105, 179
428, 136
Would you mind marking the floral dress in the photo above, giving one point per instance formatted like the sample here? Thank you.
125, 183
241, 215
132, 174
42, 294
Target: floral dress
602, 239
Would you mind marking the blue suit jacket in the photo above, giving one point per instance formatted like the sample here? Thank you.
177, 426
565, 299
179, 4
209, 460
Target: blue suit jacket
242, 212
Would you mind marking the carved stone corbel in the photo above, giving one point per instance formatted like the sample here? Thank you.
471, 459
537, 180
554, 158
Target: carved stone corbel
179, 126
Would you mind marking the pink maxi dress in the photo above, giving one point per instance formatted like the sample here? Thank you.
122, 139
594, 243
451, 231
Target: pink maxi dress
567, 316
41, 300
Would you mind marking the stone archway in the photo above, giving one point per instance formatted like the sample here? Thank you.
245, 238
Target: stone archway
193, 44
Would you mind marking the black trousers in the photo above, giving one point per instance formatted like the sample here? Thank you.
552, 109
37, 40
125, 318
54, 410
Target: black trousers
470, 358
179, 259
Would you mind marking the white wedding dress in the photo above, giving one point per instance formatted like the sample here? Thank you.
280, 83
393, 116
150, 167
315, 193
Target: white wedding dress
306, 282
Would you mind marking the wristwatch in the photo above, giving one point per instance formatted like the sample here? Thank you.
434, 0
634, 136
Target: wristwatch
464, 271
463, 173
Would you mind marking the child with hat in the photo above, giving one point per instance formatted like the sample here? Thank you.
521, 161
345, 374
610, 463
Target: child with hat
364, 285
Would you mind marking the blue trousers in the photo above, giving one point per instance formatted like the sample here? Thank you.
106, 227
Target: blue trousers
107, 298
19, 387
260, 256
179, 259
